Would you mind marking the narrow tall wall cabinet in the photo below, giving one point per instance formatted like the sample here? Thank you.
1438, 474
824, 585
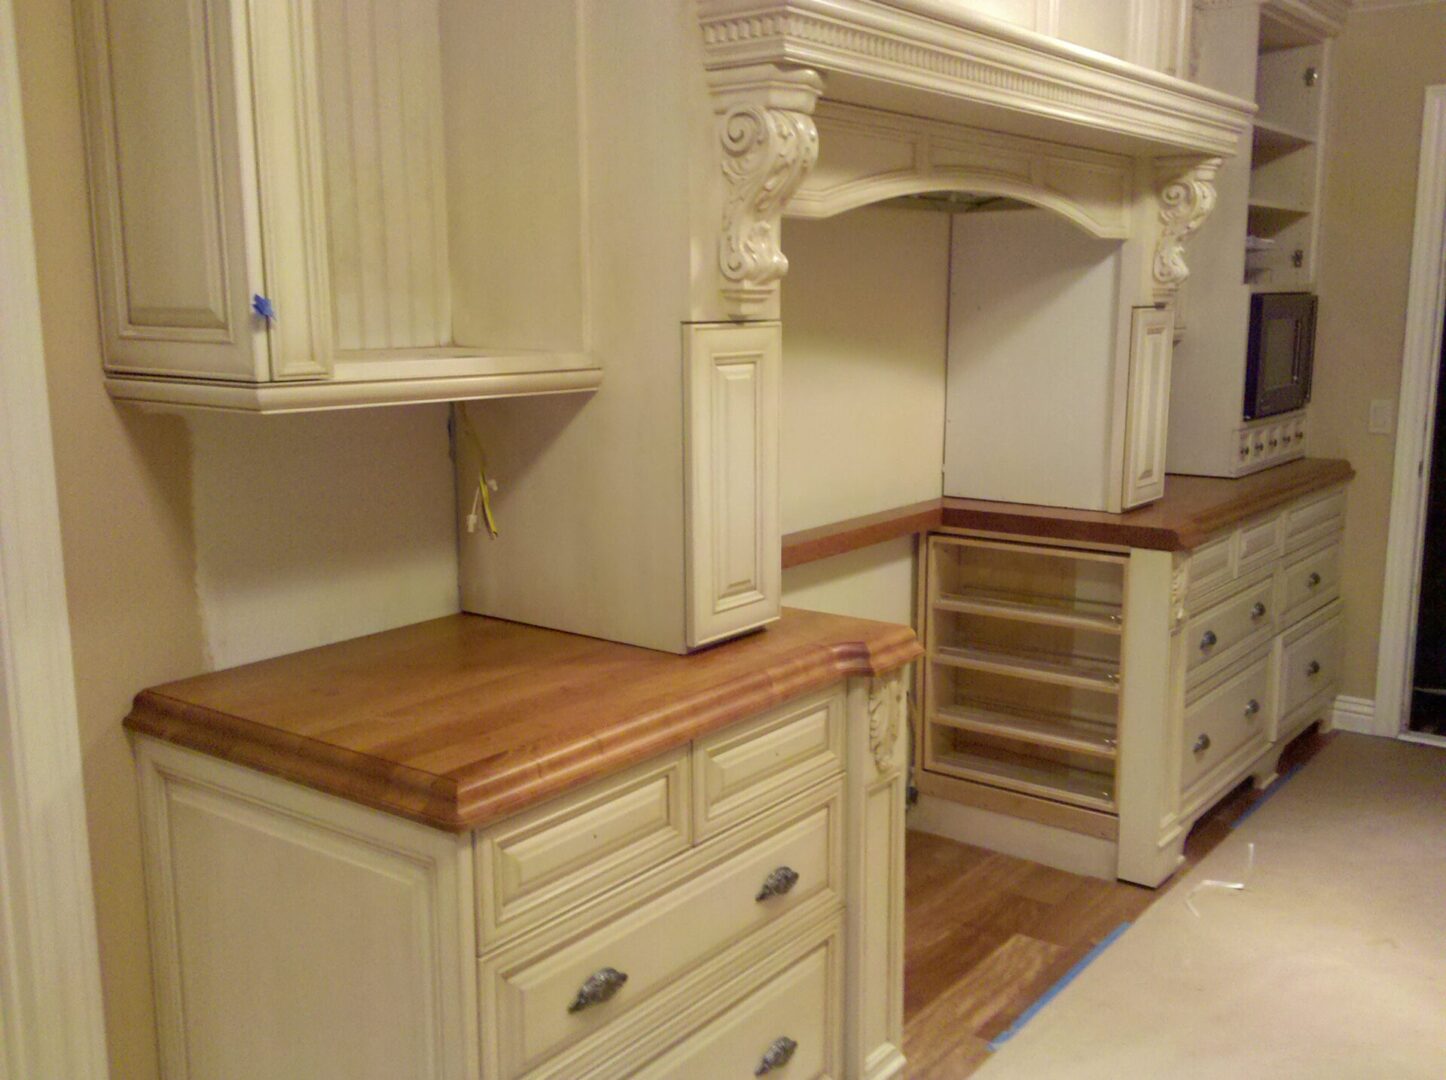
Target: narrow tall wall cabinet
1262, 236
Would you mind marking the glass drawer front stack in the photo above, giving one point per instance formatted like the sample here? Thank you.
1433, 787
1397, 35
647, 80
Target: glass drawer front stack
1022, 683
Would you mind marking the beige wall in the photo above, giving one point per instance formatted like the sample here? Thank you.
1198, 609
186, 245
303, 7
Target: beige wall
192, 547
865, 316
1380, 66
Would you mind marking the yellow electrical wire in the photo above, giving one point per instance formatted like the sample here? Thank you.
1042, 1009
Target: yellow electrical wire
484, 483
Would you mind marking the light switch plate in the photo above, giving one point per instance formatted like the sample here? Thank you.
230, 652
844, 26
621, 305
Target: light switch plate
1382, 418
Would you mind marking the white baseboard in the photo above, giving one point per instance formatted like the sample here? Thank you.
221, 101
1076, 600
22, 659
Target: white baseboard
1357, 714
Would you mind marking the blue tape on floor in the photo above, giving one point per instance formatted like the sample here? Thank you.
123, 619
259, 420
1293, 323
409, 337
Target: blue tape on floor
1064, 980
1269, 794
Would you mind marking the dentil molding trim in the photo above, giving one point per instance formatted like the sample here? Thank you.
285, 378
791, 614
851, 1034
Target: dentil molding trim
931, 58
768, 143
1187, 195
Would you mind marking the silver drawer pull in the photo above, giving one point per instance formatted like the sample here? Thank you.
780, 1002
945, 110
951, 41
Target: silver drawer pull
598, 987
1202, 744
1258, 611
778, 1054
777, 883
1313, 668
1252, 707
1313, 580
1208, 640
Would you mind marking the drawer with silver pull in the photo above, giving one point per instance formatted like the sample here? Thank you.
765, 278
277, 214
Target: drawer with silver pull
785, 1026
1226, 631
1311, 582
541, 995
1224, 719
1310, 664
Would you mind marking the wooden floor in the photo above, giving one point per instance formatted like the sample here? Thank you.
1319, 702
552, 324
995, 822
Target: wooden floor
987, 934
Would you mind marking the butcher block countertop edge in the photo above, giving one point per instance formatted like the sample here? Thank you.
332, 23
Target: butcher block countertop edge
460, 721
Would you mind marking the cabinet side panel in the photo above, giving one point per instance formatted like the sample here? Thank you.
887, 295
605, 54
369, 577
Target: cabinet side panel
1032, 361
386, 199
517, 179
165, 135
326, 945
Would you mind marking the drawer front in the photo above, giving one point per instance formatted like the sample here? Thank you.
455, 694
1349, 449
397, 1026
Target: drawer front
1260, 542
800, 1004
540, 863
1212, 565
535, 1001
1311, 582
1230, 629
741, 770
1313, 520
1309, 665
1225, 719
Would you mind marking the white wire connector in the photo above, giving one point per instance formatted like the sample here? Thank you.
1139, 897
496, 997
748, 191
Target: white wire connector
475, 517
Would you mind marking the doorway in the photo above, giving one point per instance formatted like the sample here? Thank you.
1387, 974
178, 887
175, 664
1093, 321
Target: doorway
1427, 711
1413, 612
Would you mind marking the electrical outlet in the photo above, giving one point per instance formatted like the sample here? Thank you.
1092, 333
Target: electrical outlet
1383, 416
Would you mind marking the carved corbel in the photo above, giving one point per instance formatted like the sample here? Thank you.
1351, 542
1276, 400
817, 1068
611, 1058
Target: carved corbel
1186, 194
768, 143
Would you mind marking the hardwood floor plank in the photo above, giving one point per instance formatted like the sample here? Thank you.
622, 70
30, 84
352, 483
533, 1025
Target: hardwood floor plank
986, 935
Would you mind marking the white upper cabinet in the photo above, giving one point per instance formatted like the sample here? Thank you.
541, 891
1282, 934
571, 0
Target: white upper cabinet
332, 203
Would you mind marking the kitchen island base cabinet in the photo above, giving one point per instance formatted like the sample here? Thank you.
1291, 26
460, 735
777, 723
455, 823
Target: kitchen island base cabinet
729, 903
1085, 705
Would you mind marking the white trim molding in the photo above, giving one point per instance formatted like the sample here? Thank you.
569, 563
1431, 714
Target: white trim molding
1367, 7
51, 1023
1419, 369
1357, 714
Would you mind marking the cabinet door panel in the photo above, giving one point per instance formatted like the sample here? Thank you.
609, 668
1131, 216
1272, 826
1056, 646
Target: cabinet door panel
734, 548
174, 188
1147, 408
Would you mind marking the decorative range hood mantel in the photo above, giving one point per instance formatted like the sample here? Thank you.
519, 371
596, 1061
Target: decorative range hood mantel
919, 95
931, 59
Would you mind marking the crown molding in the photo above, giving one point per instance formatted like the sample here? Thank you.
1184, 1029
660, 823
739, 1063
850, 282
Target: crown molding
1366, 7
930, 59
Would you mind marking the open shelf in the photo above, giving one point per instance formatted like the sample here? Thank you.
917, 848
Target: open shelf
1055, 730
1032, 776
1283, 209
1046, 610
1084, 672
1272, 136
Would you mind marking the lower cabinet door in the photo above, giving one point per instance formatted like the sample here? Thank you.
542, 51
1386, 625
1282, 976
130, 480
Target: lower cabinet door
787, 1026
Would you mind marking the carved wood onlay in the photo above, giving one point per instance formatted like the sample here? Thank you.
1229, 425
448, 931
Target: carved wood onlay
887, 706
1179, 586
1186, 192
768, 142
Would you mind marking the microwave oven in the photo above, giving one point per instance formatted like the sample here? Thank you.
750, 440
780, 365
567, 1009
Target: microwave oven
1279, 353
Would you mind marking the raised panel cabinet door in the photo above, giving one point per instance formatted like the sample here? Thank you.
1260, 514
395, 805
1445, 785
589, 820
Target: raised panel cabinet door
174, 192
1147, 407
734, 548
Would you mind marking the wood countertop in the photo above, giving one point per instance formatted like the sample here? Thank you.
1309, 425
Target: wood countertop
462, 720
1194, 508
